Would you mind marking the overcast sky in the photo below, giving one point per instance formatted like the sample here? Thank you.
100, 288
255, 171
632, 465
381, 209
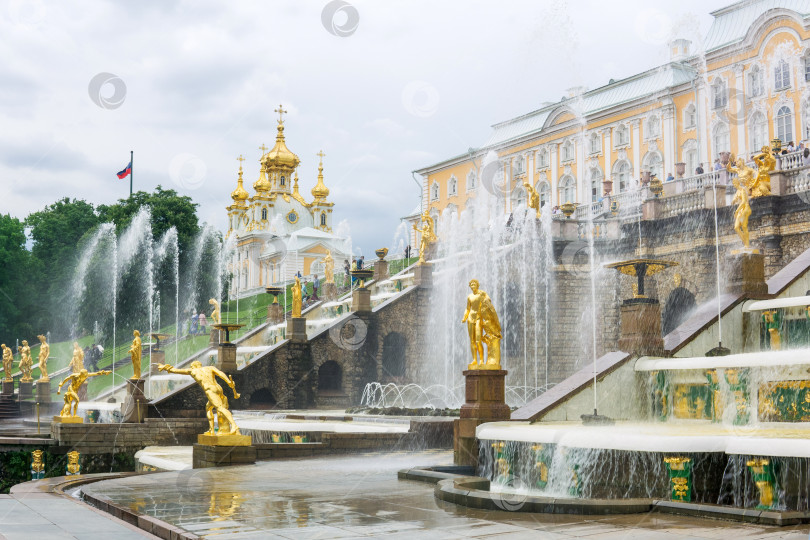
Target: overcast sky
383, 87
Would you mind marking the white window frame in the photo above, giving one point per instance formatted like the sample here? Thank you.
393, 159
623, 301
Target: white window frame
649, 131
618, 171
621, 136
567, 151
758, 140
721, 145
544, 191
786, 129
471, 181
452, 186
690, 117
542, 159
594, 144
435, 191
719, 93
781, 75
567, 189
756, 82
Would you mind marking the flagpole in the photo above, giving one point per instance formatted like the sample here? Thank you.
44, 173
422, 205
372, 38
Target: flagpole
131, 169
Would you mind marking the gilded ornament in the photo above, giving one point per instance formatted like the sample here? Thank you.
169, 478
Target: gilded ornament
297, 295
8, 361
215, 316
427, 236
74, 382
77, 361
26, 364
206, 377
745, 176
533, 198
37, 466
135, 355
44, 353
328, 268
484, 328
73, 466
766, 164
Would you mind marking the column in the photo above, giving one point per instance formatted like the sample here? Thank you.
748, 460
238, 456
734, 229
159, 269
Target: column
635, 140
668, 137
553, 172
702, 131
739, 89
606, 151
583, 190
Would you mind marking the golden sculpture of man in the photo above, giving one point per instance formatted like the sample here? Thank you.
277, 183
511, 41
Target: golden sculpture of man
766, 164
206, 377
215, 316
26, 364
427, 236
745, 174
483, 327
533, 197
8, 361
297, 298
135, 354
742, 213
77, 362
328, 268
74, 382
44, 353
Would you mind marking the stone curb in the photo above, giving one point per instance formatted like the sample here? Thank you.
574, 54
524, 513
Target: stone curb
746, 515
149, 524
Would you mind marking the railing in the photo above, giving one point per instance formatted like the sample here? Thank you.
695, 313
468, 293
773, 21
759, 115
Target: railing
584, 211
682, 203
790, 161
799, 182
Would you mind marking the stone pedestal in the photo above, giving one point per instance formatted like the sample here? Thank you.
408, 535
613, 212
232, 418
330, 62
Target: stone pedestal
708, 197
484, 402
67, 420
205, 455
641, 327
216, 338
8, 388
43, 391
226, 357
361, 300
26, 389
297, 329
133, 411
778, 183
158, 357
423, 275
275, 314
380, 270
651, 209
746, 274
330, 291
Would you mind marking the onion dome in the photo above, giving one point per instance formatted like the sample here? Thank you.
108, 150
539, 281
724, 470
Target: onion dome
320, 191
240, 194
280, 157
262, 184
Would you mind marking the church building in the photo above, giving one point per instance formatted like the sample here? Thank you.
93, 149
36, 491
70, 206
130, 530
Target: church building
276, 231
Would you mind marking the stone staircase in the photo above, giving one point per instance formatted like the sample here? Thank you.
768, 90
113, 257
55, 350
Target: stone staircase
9, 407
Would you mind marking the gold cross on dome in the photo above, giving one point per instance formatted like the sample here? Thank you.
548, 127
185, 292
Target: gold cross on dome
240, 159
263, 148
280, 112
320, 154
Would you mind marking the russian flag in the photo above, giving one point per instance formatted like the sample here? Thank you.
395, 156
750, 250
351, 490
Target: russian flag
126, 172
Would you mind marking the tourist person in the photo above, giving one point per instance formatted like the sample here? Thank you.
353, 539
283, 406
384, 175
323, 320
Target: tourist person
717, 165
360, 262
315, 284
203, 324
305, 292
194, 324
93, 357
408, 251
806, 157
670, 178
348, 268
790, 147
699, 169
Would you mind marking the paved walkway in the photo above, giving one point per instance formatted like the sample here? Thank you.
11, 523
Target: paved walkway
360, 496
37, 514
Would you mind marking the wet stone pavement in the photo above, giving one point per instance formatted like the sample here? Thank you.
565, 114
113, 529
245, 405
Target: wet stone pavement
360, 496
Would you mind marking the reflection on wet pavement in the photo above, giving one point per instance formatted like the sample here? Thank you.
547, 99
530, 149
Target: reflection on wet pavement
360, 496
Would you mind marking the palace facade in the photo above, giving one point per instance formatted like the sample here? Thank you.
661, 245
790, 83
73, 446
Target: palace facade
750, 84
277, 232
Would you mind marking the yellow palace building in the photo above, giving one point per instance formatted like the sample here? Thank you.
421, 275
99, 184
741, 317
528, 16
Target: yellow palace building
749, 84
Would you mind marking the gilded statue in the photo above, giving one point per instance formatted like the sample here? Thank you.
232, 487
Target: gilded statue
484, 328
766, 164
217, 401
8, 361
328, 268
44, 353
74, 382
297, 295
77, 362
215, 316
427, 236
73, 466
135, 355
26, 364
534, 197
742, 213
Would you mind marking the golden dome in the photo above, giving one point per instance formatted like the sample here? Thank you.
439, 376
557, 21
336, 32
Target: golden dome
320, 191
280, 157
240, 194
262, 184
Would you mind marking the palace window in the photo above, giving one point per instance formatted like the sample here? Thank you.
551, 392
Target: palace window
595, 175
690, 158
264, 214
759, 131
807, 66
520, 166
653, 163
719, 94
720, 139
622, 136
323, 219
621, 176
690, 117
542, 159
784, 124
568, 189
781, 75
755, 86
545, 193
653, 127
452, 187
471, 181
434, 192
282, 180
594, 144
568, 151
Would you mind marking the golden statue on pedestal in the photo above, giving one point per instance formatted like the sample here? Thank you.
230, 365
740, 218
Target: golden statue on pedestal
484, 328
766, 164
215, 316
297, 296
135, 355
77, 362
533, 197
44, 353
745, 177
26, 364
217, 401
427, 236
8, 361
328, 268
74, 382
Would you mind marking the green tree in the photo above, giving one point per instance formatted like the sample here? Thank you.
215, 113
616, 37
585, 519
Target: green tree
16, 288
